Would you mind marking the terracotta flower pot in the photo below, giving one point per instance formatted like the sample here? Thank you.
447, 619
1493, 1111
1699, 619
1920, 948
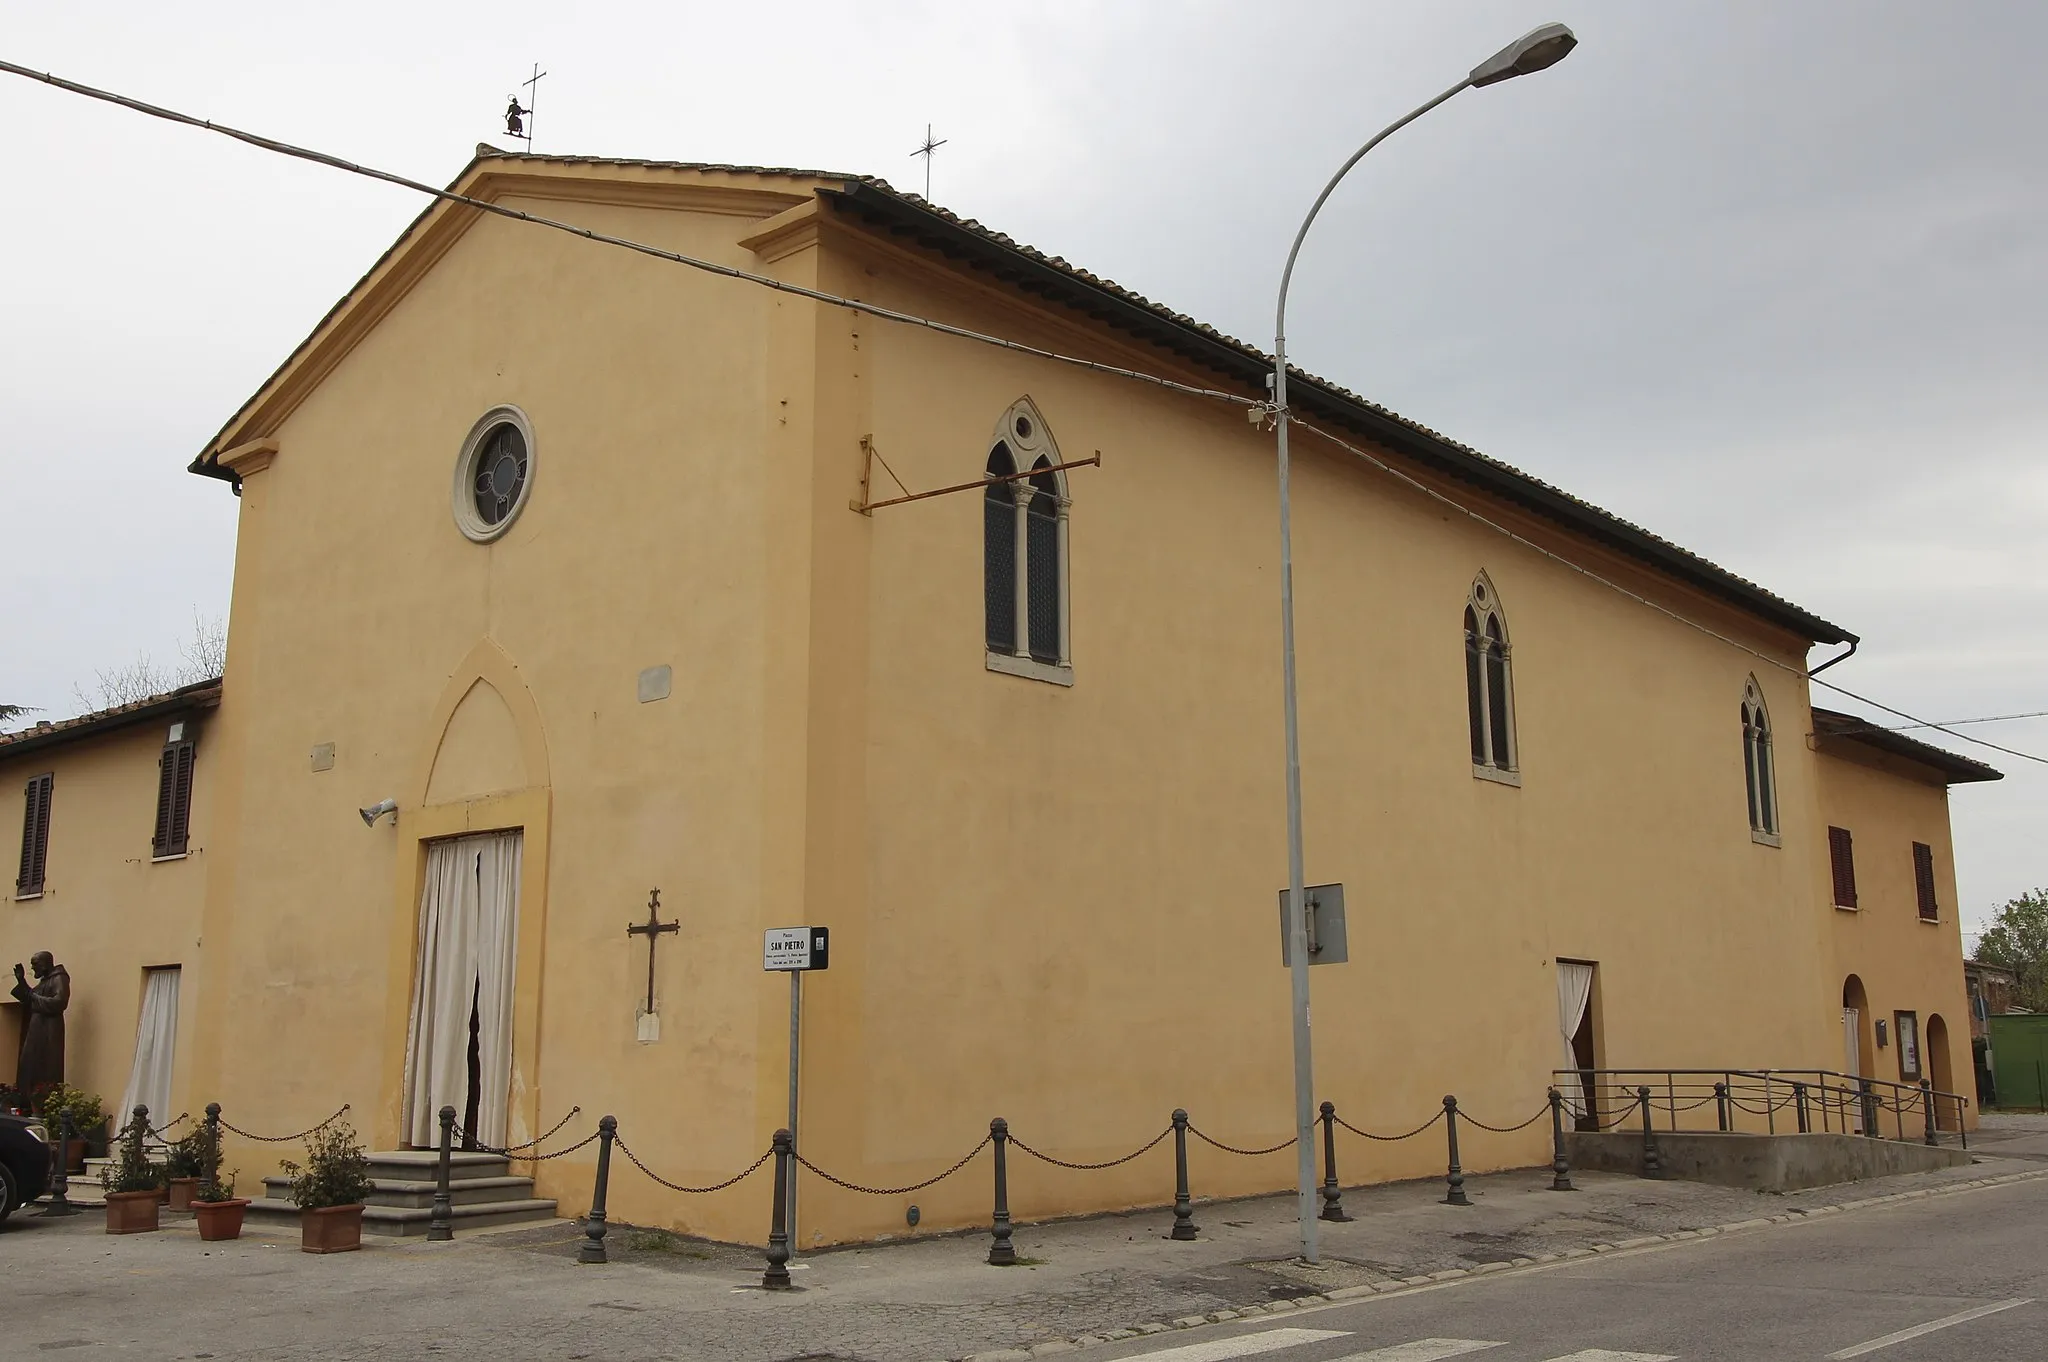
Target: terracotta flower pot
74, 1158
181, 1190
331, 1229
132, 1212
220, 1219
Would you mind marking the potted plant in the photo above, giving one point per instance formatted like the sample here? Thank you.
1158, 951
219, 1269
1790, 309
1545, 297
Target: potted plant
329, 1189
132, 1184
218, 1209
184, 1168
88, 1118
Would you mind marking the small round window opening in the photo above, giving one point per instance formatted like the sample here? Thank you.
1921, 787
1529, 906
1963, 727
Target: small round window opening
1023, 427
494, 475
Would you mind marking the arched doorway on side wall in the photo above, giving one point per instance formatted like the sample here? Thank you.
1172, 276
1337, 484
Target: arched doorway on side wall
1941, 1072
1858, 1051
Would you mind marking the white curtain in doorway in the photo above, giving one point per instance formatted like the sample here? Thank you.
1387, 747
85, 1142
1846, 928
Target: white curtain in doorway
1574, 995
468, 940
156, 1042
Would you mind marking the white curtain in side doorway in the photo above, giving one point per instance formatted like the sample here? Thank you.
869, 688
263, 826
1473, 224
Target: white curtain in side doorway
496, 947
468, 940
156, 1042
1574, 995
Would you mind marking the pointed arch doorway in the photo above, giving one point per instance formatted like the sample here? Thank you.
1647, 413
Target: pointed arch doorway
458, 1049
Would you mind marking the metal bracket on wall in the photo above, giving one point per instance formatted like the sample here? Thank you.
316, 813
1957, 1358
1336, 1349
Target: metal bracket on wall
870, 456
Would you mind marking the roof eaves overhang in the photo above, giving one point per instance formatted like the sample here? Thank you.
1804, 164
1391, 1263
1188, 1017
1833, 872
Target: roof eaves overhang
897, 215
185, 700
1833, 726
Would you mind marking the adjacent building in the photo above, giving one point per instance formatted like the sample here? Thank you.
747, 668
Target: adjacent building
581, 559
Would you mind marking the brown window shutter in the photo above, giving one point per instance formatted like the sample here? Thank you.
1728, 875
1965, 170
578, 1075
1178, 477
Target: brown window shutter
35, 835
166, 799
1842, 858
181, 798
1923, 880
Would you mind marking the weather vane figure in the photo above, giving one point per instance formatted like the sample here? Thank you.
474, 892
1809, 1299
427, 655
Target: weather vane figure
519, 119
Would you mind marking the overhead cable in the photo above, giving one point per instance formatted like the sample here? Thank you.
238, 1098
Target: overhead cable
1433, 494
964, 333
623, 243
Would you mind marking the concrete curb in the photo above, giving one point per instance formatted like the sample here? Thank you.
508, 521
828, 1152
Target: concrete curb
1051, 1346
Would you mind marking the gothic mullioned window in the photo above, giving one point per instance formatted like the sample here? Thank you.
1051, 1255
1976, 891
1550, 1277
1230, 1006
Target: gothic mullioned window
1758, 767
1489, 682
1024, 551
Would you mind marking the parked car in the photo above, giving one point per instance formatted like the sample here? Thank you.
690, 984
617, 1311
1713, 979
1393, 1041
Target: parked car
24, 1163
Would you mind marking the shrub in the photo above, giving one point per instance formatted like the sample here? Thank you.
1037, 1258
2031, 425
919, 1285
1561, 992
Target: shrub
131, 1170
187, 1157
86, 1110
336, 1171
217, 1188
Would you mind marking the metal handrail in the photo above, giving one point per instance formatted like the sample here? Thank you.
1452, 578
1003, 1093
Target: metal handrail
1826, 1099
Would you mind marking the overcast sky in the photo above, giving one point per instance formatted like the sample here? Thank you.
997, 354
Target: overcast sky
1768, 278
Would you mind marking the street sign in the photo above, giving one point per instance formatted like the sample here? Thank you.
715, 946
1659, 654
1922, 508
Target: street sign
796, 948
1323, 918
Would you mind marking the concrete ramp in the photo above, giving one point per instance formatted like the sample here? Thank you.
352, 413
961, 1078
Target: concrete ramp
1764, 1163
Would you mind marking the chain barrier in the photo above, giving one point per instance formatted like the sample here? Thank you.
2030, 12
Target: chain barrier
623, 1148
1089, 1167
1541, 1112
1394, 1139
1249, 1153
1628, 1110
543, 1158
160, 1131
283, 1139
898, 1191
512, 1150
1771, 1106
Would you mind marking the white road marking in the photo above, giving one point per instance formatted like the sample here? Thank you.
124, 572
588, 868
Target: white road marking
1424, 1350
1604, 1355
1917, 1330
1245, 1345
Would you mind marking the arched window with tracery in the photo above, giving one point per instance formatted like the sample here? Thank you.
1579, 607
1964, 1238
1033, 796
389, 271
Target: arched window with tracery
1759, 768
1025, 589
1489, 682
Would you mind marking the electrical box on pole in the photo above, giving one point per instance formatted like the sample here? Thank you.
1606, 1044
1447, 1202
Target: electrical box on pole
1322, 911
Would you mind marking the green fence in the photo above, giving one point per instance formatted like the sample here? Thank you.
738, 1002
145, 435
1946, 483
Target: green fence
2019, 1060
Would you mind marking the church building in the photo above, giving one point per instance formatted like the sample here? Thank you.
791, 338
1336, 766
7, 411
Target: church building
567, 573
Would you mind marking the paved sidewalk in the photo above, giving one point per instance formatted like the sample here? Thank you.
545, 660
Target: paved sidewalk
519, 1294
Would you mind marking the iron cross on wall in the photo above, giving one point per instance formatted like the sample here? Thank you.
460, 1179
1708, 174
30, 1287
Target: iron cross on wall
652, 929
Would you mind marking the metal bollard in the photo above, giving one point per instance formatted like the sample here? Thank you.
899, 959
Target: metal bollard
1184, 1226
1456, 1175
1721, 1106
1560, 1167
1867, 1097
1799, 1105
1927, 1108
776, 1278
59, 1203
591, 1250
1000, 1252
213, 1146
1653, 1165
1333, 1194
441, 1228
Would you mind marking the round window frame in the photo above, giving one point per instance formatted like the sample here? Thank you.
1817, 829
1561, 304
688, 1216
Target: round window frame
462, 498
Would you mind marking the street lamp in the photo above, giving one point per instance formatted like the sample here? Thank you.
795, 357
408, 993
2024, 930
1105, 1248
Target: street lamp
1534, 51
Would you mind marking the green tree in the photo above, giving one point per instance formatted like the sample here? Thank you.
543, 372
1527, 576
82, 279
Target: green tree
2017, 940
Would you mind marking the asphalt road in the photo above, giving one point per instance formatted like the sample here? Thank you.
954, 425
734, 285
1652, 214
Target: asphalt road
1925, 1281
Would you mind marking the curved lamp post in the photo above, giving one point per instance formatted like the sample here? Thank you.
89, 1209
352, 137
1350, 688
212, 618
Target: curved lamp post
1534, 51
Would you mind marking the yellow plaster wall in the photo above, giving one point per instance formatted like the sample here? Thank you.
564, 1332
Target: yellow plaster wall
107, 911
1066, 914
1906, 964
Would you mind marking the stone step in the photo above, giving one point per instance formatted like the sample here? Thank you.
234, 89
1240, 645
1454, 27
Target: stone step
418, 1165
462, 1191
412, 1221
